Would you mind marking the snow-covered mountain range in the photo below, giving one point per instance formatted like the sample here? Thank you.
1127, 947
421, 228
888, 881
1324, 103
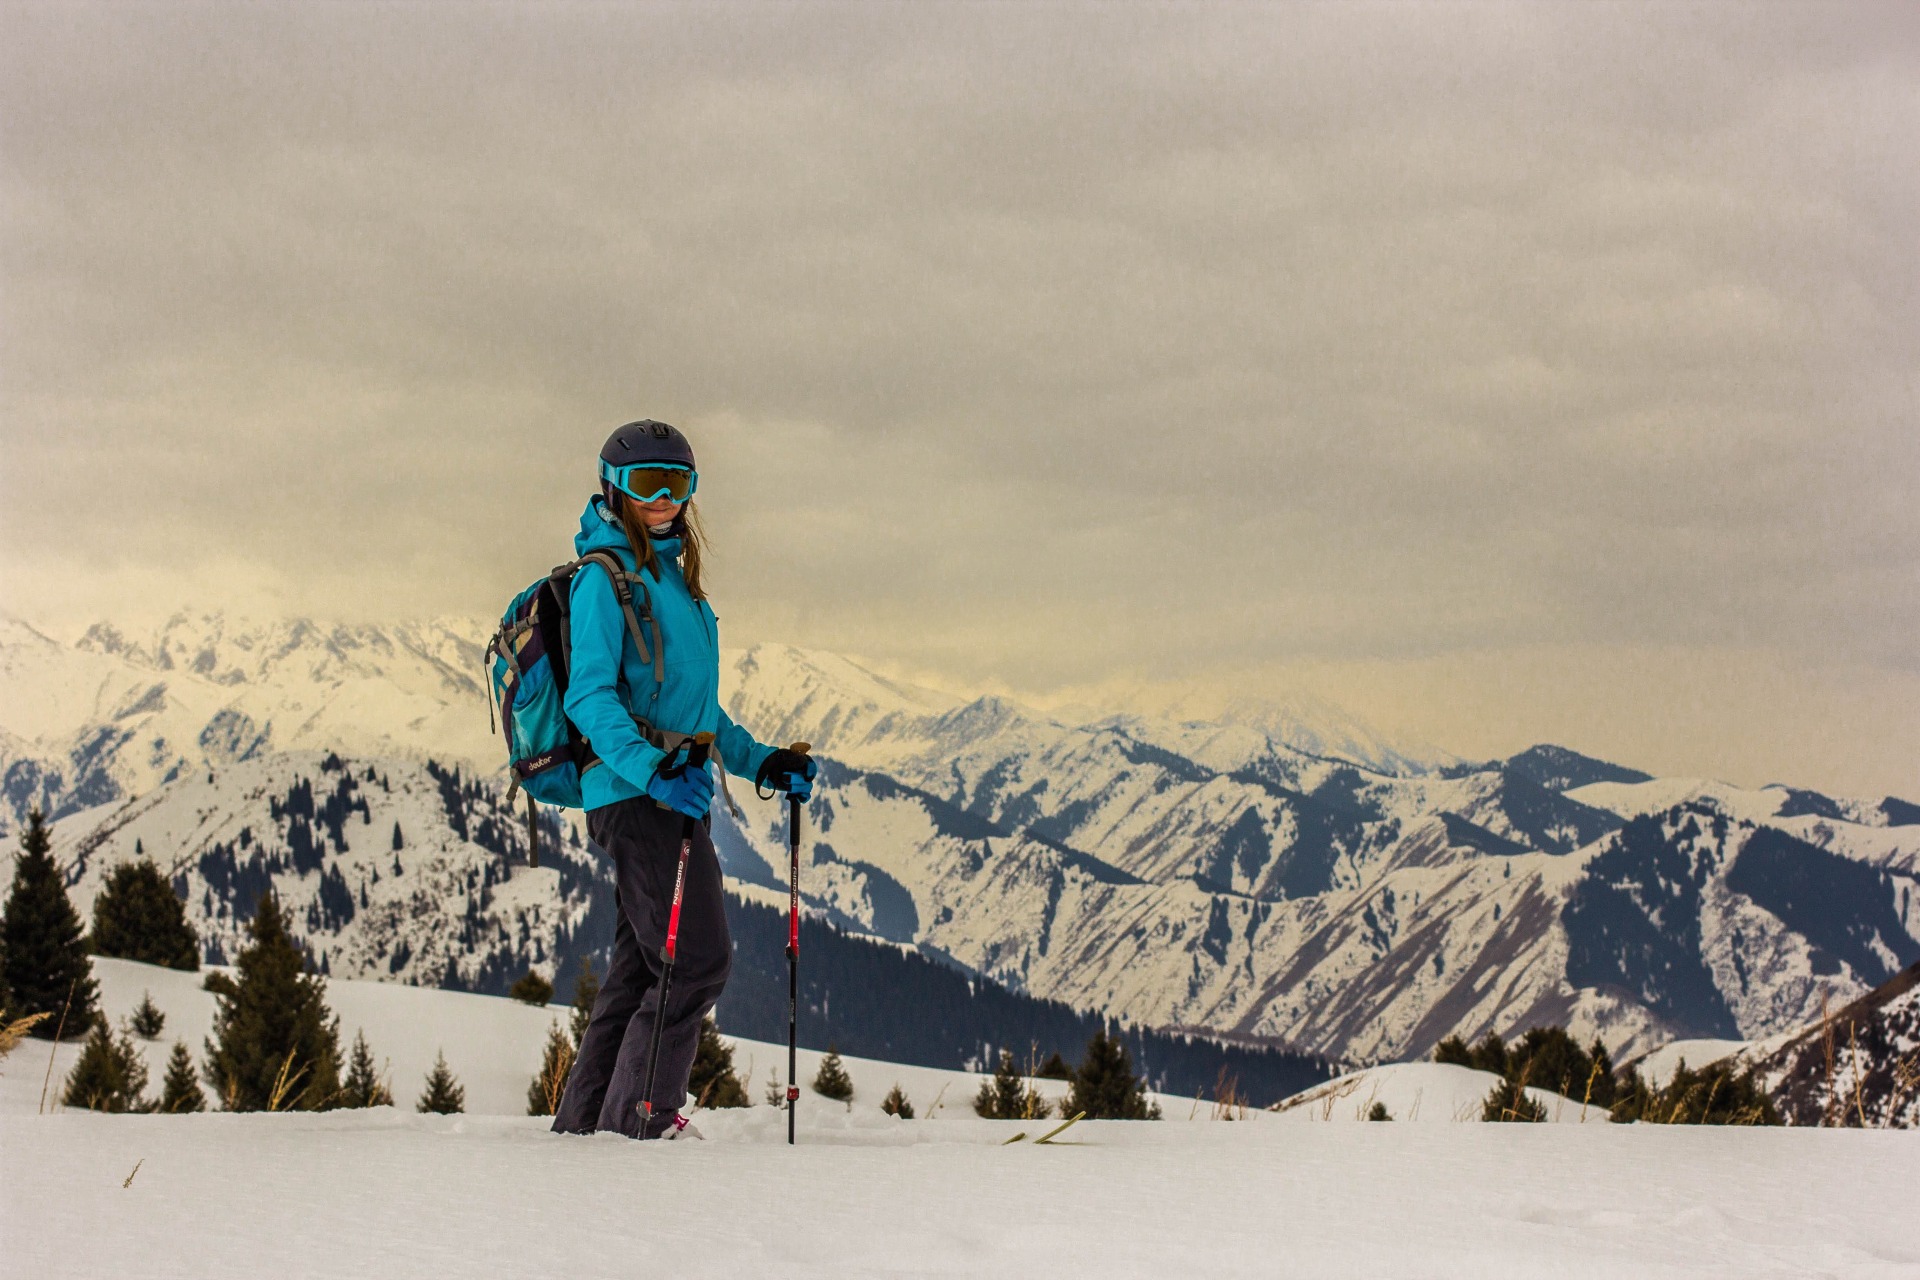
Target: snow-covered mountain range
1270, 876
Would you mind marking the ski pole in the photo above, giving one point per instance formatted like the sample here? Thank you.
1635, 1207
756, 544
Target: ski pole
697, 748
793, 951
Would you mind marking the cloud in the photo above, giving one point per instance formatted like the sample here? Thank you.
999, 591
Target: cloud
1056, 340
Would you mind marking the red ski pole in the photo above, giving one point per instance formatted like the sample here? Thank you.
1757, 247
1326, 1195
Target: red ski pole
697, 750
793, 951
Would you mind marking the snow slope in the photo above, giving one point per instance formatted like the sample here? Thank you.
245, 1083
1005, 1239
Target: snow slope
493, 1045
405, 1196
1422, 1093
409, 1197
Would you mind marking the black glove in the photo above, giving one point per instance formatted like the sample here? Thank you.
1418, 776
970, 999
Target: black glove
789, 771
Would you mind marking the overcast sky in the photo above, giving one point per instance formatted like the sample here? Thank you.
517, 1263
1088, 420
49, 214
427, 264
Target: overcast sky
1504, 373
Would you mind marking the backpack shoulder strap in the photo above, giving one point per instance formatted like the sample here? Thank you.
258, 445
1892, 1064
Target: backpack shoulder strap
623, 585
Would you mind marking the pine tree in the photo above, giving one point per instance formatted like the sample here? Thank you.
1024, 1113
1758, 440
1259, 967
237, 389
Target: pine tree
274, 1046
1008, 1096
147, 1021
399, 841
586, 989
831, 1080
1054, 1068
531, 988
1712, 1095
363, 1088
1379, 1112
543, 1095
111, 1075
181, 1090
1104, 1086
139, 917
713, 1083
41, 948
1507, 1102
443, 1093
896, 1103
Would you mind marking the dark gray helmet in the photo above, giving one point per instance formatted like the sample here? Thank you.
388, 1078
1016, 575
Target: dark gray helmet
647, 441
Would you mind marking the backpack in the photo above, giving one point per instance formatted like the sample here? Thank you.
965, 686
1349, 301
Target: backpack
527, 661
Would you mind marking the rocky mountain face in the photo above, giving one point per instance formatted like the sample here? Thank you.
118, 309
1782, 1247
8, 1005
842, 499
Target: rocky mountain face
1231, 874
396, 869
1858, 1067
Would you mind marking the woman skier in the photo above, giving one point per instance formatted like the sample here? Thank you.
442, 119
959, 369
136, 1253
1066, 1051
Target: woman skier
637, 714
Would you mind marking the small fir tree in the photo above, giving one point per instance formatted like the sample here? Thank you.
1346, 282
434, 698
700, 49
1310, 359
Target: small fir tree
713, 1083
110, 1075
1379, 1112
363, 1088
543, 1095
531, 989
399, 842
147, 1021
42, 953
1714, 1094
139, 917
1508, 1103
1008, 1096
832, 1080
180, 1091
1104, 1086
443, 1094
1054, 1068
586, 989
275, 1046
896, 1103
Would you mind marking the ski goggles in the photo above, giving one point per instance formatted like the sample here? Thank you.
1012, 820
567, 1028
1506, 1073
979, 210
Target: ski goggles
650, 481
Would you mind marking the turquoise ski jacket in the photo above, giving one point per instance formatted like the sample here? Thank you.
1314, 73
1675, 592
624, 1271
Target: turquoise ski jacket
608, 684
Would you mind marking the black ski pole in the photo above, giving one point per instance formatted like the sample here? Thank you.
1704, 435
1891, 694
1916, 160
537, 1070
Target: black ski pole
793, 951
697, 749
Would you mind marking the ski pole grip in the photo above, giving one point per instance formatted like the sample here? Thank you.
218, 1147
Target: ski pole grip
699, 750
696, 750
801, 748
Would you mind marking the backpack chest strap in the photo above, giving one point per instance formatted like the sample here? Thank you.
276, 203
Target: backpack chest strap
623, 588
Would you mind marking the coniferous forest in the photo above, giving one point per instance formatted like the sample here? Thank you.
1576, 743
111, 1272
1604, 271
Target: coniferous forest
874, 1000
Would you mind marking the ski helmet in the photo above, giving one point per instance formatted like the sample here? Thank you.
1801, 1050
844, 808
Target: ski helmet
648, 441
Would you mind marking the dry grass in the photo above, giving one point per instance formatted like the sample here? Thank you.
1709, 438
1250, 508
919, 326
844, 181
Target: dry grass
1324, 1097
1228, 1102
58, 1030
554, 1083
12, 1033
1906, 1080
1826, 1031
284, 1092
1587, 1097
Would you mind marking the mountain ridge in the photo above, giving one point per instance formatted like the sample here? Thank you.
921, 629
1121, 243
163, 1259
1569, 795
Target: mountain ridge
1172, 873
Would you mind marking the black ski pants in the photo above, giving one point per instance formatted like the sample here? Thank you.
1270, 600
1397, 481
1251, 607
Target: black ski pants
609, 1078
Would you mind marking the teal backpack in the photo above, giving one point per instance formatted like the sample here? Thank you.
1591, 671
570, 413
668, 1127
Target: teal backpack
527, 662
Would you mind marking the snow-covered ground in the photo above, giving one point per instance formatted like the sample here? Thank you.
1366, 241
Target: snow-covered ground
397, 1195
1421, 1092
393, 1194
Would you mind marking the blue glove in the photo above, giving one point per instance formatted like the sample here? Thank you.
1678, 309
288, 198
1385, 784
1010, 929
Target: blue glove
788, 771
689, 791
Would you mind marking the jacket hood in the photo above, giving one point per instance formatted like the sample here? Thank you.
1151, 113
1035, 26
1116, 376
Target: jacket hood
600, 531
